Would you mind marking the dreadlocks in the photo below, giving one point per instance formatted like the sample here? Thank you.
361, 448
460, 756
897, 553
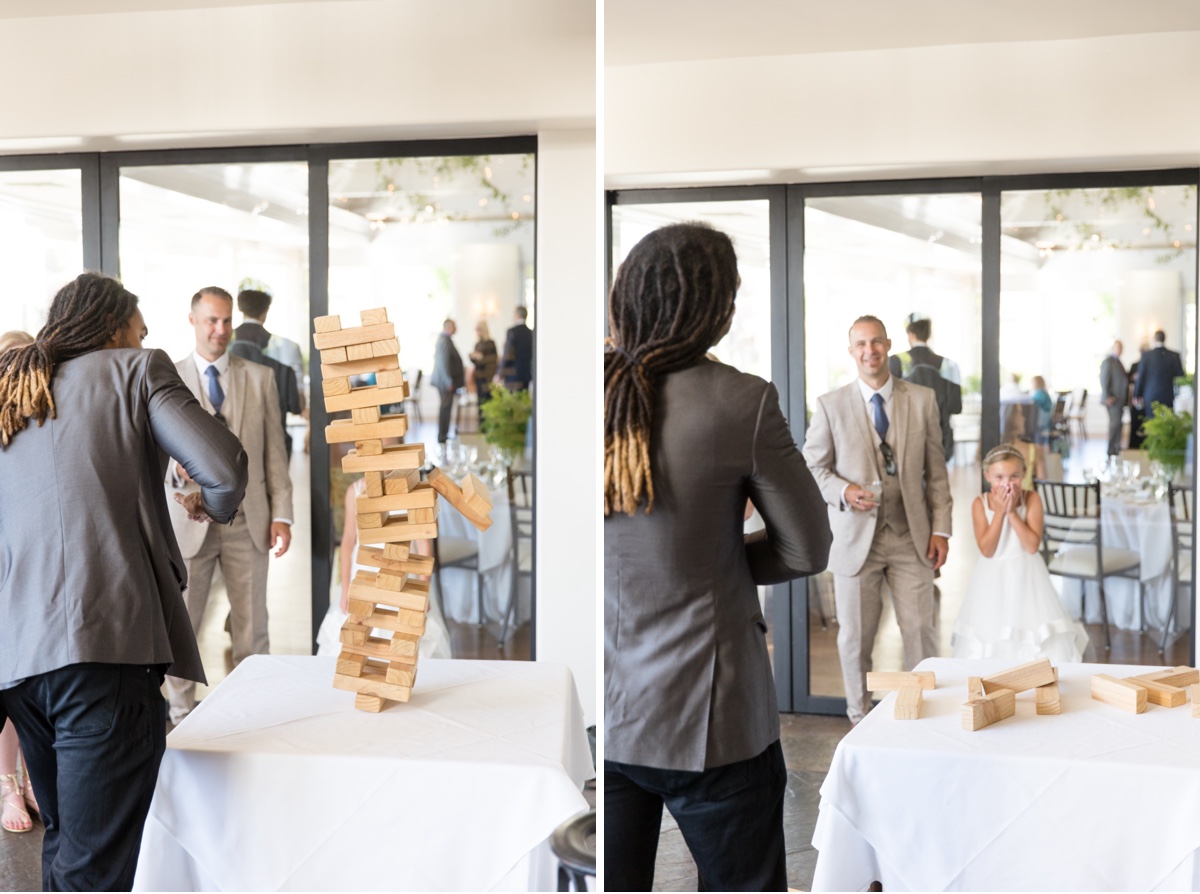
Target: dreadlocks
671, 301
84, 316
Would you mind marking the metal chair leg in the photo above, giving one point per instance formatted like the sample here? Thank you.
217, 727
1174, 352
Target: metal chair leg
1162, 646
479, 594
1104, 615
512, 601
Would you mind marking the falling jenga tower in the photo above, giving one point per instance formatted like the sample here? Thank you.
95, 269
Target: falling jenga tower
396, 509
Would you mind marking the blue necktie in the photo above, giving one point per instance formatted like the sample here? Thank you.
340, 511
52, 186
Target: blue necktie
216, 395
881, 420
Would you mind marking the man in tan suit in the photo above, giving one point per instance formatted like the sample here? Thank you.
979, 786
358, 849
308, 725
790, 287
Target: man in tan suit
880, 429
243, 396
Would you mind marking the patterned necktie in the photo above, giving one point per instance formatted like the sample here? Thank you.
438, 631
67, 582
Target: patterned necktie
216, 395
881, 420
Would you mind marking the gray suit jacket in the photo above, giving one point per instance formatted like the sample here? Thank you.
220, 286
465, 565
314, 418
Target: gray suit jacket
89, 569
448, 374
1114, 381
840, 449
687, 677
252, 410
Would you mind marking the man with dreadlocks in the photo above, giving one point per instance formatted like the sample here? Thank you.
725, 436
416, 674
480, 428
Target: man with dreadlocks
690, 714
91, 578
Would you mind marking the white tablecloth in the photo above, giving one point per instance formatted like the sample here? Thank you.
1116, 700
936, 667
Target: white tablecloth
495, 562
1093, 799
275, 782
1143, 526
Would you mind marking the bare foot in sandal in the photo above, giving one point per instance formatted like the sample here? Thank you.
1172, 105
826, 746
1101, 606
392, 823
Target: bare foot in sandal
13, 817
30, 800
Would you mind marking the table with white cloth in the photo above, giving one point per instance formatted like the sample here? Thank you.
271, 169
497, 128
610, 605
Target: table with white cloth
1092, 799
1144, 526
275, 782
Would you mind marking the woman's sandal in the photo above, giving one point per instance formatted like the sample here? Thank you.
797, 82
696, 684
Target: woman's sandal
30, 800
14, 818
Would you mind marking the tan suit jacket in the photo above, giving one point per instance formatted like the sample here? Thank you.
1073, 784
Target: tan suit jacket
841, 448
252, 411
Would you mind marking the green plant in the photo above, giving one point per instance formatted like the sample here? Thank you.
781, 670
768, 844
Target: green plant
505, 418
1167, 436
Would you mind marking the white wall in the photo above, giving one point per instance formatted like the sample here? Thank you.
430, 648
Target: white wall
1102, 103
567, 391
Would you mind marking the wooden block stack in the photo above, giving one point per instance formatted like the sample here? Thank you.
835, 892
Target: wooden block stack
908, 687
994, 697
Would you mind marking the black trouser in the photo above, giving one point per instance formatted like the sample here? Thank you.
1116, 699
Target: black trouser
483, 390
93, 736
444, 412
731, 818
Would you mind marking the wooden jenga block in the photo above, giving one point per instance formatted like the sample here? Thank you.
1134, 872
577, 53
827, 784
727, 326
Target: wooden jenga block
974, 687
350, 663
334, 355
397, 531
398, 620
1178, 676
327, 324
403, 651
1024, 676
1119, 693
365, 415
359, 353
374, 317
372, 447
402, 674
332, 387
989, 709
400, 456
374, 482
404, 646
370, 703
386, 348
443, 484
364, 396
411, 564
373, 682
1160, 693
359, 608
423, 497
355, 335
1048, 699
392, 378
397, 552
423, 516
342, 431
360, 367
366, 588
402, 481
353, 633
908, 703
386, 580
885, 681
476, 494
371, 519
1194, 692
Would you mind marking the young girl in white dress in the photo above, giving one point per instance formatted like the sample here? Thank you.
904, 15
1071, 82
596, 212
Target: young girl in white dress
1012, 610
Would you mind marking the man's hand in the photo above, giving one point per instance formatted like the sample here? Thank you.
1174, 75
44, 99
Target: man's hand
195, 508
1109, 401
939, 548
860, 499
281, 534
181, 472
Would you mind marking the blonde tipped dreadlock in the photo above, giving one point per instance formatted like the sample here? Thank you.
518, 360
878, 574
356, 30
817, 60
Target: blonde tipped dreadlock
671, 301
84, 316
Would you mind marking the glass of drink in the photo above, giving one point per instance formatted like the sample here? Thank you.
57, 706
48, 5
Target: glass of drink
875, 489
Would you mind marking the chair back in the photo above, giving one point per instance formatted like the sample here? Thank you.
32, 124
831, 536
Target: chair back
1071, 516
1180, 500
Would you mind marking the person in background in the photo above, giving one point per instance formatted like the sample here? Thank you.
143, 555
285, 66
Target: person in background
516, 366
1157, 371
1114, 392
1136, 415
486, 363
690, 717
251, 337
1045, 410
91, 594
1011, 390
448, 376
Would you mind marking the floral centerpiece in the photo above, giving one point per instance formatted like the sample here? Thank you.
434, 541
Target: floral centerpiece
505, 419
1166, 437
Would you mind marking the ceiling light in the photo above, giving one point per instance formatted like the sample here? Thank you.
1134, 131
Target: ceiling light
1095, 237
1177, 243
1145, 231
487, 171
516, 216
1187, 227
1150, 202
527, 198
482, 203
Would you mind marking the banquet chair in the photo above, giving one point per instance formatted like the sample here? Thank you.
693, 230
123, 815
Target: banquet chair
1073, 541
466, 411
413, 377
457, 552
1180, 502
1078, 413
574, 844
521, 515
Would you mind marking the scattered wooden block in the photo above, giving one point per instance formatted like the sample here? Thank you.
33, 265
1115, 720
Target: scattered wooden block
355, 335
342, 431
423, 516
886, 681
334, 355
332, 387
397, 531
476, 494
359, 353
908, 703
364, 396
1177, 676
365, 415
374, 483
403, 481
423, 497
350, 663
1024, 676
327, 324
374, 317
361, 367
371, 703
442, 483
1167, 687
974, 687
1119, 693
392, 378
400, 456
372, 447
1048, 699
988, 709
386, 348
1194, 691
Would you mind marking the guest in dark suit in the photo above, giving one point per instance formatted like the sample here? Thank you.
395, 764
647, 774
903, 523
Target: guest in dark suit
91, 579
516, 365
1136, 416
448, 376
1114, 391
690, 717
1157, 371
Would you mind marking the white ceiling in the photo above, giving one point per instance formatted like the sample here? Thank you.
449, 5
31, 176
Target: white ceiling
24, 9
640, 32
